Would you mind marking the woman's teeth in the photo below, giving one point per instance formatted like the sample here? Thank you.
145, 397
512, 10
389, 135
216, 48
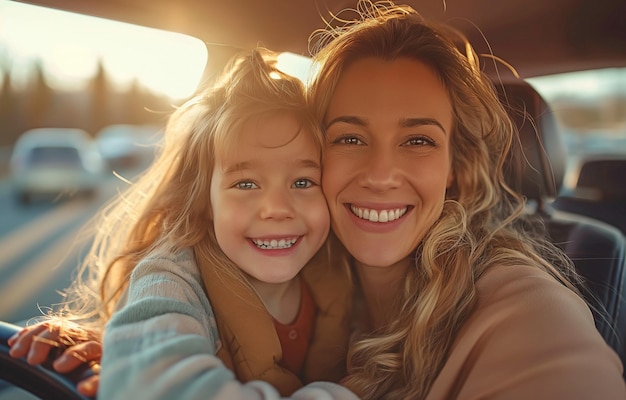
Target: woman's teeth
274, 243
378, 215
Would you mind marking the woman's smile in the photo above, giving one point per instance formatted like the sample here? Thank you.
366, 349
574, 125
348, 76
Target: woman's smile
383, 215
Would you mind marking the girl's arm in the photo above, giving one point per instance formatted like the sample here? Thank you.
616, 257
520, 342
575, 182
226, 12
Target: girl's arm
68, 346
162, 343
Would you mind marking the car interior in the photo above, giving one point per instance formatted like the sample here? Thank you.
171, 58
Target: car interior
597, 249
597, 194
518, 40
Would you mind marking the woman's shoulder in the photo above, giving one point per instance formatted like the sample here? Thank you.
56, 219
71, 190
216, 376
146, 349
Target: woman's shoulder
525, 299
522, 286
527, 334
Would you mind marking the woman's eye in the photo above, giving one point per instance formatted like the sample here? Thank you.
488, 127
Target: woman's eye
349, 140
419, 141
246, 185
302, 183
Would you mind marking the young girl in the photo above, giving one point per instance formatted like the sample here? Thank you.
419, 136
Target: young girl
211, 239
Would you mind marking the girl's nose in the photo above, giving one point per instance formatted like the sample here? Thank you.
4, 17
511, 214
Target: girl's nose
277, 204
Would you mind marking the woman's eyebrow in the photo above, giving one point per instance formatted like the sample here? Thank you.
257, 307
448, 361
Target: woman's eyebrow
348, 119
412, 122
405, 123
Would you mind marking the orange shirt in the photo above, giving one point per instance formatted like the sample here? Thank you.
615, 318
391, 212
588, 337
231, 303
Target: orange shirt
296, 337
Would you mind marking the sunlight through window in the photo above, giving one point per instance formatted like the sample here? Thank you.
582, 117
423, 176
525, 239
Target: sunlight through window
69, 47
296, 65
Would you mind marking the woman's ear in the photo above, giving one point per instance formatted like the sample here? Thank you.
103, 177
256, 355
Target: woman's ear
450, 180
451, 186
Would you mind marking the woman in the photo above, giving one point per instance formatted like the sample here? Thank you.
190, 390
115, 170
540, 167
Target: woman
453, 300
459, 302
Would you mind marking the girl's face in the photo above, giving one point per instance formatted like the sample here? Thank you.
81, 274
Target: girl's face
269, 212
388, 162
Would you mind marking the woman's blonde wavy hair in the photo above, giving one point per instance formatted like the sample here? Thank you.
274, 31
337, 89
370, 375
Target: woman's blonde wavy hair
168, 207
477, 228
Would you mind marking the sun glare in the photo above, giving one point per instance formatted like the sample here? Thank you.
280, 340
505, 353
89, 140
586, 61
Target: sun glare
296, 65
69, 47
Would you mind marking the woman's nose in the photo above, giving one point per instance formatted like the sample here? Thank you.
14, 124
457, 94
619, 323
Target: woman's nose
380, 171
277, 204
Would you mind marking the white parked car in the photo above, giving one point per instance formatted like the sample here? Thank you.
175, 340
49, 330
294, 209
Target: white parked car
55, 162
126, 145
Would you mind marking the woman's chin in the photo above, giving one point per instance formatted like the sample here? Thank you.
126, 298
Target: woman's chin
370, 257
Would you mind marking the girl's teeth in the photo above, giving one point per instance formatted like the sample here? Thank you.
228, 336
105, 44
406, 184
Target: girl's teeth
378, 216
274, 243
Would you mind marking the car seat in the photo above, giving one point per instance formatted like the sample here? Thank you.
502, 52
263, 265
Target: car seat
536, 170
600, 191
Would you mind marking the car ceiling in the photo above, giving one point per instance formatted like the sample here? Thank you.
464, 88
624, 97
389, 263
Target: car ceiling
537, 37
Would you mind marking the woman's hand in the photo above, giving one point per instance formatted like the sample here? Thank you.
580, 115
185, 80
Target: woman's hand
67, 345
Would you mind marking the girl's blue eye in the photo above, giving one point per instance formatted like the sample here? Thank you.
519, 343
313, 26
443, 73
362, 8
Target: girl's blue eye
246, 185
302, 183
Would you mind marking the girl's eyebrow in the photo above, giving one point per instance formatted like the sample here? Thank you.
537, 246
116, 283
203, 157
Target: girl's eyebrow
309, 163
405, 123
305, 163
237, 167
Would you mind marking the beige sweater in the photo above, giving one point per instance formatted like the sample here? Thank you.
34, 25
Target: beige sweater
530, 338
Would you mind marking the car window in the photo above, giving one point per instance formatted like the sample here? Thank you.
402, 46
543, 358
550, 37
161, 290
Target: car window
590, 107
64, 71
45, 156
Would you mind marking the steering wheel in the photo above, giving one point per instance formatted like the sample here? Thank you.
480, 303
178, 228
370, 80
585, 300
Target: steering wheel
41, 380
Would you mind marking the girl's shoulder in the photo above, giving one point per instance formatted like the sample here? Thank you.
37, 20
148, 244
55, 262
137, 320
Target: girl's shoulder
181, 263
168, 278
183, 258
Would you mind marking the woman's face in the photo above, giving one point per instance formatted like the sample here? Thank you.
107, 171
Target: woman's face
387, 163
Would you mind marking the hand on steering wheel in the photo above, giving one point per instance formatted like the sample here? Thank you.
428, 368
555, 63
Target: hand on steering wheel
56, 374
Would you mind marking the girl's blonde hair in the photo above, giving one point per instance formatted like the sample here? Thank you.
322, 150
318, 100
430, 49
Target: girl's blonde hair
168, 208
478, 227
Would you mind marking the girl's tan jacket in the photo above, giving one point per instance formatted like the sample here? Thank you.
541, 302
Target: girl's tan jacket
249, 342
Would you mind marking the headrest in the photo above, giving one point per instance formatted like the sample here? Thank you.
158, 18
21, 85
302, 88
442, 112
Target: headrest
598, 180
536, 165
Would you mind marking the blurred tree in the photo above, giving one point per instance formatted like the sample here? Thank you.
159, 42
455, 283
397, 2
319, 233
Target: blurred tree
9, 128
135, 106
143, 106
99, 90
39, 99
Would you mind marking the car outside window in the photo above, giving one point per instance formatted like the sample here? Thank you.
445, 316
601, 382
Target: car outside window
53, 155
590, 108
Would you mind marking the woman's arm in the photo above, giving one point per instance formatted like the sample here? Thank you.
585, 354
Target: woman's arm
162, 343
